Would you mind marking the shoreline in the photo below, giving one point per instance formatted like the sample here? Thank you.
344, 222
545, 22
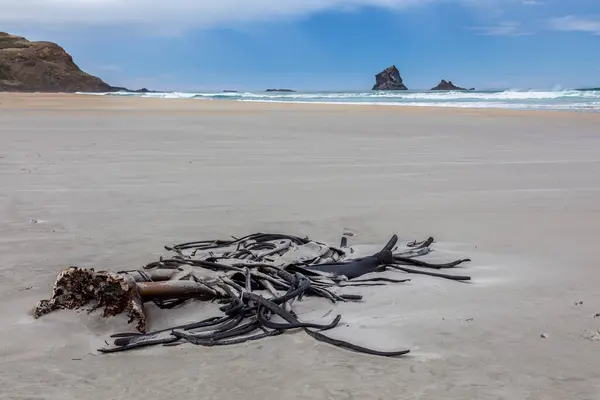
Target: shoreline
90, 102
391, 104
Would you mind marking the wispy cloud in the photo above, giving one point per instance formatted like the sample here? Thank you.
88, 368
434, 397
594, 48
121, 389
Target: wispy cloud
506, 28
173, 13
163, 16
577, 24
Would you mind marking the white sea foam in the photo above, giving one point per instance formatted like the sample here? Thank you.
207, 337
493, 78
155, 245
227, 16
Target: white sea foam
593, 106
514, 99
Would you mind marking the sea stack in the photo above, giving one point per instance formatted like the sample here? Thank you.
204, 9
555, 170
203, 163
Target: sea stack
280, 90
447, 85
389, 79
42, 67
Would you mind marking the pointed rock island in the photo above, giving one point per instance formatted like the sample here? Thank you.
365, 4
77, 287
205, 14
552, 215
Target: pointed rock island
389, 79
43, 67
447, 85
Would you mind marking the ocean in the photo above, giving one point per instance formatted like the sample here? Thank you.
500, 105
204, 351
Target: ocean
581, 100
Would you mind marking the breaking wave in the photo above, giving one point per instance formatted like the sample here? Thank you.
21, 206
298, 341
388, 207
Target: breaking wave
519, 99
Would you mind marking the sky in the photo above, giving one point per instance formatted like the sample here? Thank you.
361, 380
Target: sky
214, 45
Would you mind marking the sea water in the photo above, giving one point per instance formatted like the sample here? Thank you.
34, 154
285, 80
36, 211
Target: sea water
583, 100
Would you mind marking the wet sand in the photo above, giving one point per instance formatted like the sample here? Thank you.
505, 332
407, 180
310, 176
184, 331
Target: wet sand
106, 182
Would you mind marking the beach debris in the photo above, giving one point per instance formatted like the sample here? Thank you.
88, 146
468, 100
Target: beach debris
256, 279
76, 287
593, 336
544, 336
578, 303
597, 315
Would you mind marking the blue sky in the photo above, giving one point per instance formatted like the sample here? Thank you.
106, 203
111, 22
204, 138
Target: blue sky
320, 44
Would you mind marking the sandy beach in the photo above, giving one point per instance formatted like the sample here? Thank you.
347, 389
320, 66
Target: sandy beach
106, 182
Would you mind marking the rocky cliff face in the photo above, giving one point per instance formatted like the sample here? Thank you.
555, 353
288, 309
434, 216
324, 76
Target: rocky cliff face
443, 85
42, 67
389, 79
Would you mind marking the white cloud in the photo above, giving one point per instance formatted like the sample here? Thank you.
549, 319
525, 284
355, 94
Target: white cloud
573, 23
173, 13
506, 28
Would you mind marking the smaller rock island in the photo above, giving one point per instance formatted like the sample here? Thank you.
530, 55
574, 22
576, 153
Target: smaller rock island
447, 85
280, 90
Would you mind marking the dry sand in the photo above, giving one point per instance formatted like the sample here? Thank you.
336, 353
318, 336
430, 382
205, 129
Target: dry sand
110, 181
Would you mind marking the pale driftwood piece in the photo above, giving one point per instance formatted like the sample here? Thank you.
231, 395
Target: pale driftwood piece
286, 245
269, 287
